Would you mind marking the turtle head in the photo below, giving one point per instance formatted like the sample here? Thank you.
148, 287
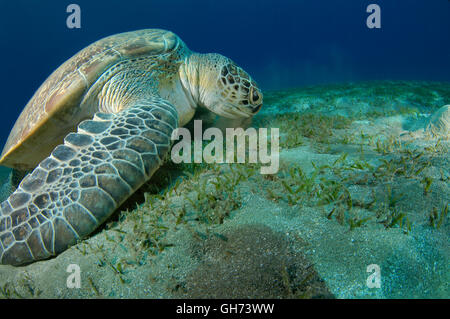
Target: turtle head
221, 86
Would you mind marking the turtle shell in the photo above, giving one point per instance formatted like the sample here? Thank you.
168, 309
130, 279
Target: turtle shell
55, 108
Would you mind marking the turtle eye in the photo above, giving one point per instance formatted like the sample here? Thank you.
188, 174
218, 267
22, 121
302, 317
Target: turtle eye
255, 97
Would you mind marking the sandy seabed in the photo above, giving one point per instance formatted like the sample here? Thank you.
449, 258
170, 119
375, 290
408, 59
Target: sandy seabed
359, 184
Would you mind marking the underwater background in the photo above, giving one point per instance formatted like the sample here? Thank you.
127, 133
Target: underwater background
362, 180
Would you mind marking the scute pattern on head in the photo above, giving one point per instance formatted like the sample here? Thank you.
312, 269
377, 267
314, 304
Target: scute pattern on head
56, 104
233, 79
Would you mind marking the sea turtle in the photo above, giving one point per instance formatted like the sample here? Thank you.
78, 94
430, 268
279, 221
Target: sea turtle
99, 127
439, 125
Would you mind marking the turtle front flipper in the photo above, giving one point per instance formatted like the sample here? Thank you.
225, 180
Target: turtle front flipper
84, 180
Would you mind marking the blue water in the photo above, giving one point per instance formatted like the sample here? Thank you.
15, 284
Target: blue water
283, 43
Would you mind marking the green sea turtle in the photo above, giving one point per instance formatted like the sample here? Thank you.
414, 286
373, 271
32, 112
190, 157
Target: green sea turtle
439, 125
99, 127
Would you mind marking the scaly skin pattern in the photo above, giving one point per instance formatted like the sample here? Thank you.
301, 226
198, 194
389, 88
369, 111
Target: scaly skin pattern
84, 180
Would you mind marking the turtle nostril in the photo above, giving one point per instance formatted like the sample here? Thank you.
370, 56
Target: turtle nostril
256, 109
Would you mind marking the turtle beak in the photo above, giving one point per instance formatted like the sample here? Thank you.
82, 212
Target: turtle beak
256, 109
